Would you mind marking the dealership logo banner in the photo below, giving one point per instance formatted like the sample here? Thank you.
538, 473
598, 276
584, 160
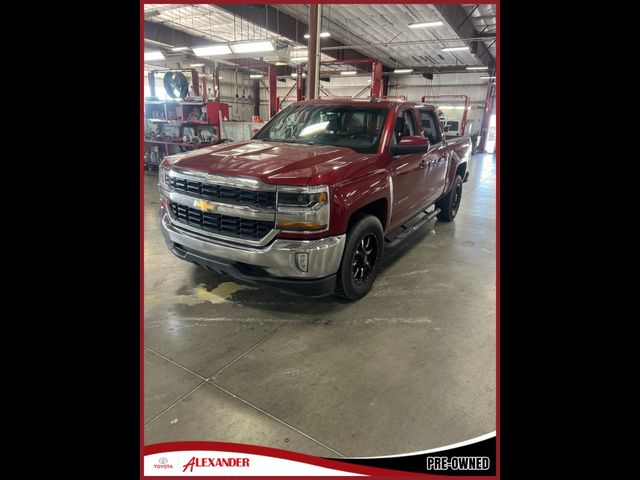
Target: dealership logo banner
198, 463
472, 458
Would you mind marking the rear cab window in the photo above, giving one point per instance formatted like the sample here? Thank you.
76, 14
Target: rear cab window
405, 125
430, 128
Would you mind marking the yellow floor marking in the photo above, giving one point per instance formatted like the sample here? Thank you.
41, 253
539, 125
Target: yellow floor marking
222, 293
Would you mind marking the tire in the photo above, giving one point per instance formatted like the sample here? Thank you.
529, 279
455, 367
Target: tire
450, 204
361, 258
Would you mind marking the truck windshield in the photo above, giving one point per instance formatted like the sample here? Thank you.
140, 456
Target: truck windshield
355, 127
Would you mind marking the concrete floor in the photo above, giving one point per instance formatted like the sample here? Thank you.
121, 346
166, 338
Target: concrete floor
411, 366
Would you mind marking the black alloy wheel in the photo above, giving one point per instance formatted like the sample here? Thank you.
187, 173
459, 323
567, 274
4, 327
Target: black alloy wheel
364, 258
363, 251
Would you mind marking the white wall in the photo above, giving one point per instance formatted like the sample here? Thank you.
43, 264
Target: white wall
415, 86
411, 86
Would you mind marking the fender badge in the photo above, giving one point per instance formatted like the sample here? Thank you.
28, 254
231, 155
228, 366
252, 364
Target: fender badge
204, 206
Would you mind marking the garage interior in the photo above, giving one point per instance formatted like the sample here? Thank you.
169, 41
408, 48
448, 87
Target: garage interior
409, 367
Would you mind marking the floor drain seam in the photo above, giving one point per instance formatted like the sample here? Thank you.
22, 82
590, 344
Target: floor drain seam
273, 417
239, 357
175, 363
174, 403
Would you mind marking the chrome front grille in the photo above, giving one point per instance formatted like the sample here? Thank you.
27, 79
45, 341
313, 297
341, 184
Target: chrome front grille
221, 224
224, 193
223, 207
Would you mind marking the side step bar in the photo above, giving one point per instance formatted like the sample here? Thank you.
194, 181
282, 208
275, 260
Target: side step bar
402, 232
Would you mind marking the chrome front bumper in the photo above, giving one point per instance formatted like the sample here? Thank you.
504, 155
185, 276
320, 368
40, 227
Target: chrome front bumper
278, 259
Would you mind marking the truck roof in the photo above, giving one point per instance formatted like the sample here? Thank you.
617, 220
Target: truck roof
363, 102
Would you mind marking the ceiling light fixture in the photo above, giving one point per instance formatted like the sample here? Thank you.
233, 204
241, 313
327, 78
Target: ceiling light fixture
197, 65
256, 75
159, 44
280, 64
252, 47
403, 70
211, 50
348, 72
425, 24
157, 55
179, 49
299, 59
477, 68
295, 75
322, 35
454, 49
486, 78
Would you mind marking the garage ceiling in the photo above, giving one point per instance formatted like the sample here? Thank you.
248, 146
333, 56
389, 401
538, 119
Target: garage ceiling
206, 21
379, 31
386, 29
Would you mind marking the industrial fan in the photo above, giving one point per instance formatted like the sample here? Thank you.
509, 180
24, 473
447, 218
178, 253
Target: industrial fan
176, 84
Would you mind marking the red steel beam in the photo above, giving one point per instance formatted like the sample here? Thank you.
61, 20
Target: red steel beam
315, 14
216, 85
376, 79
484, 128
353, 60
273, 91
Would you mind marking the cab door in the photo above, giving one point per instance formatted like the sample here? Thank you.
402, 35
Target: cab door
408, 172
437, 158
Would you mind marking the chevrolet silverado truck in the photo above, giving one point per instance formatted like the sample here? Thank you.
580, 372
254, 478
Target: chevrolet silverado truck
308, 204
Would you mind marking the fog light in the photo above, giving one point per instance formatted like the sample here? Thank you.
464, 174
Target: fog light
302, 261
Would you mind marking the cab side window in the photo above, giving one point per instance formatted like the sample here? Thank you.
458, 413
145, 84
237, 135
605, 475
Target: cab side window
405, 126
430, 126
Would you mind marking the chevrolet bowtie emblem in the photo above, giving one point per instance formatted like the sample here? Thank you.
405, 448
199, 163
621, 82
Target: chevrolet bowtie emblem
204, 206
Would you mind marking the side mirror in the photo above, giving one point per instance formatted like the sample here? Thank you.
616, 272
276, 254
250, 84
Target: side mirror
411, 144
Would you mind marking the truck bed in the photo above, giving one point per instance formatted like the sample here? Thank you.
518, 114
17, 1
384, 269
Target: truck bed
459, 144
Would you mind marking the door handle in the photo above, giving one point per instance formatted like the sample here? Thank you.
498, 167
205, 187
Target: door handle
423, 164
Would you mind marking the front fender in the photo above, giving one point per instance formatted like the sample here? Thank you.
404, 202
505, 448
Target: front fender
351, 196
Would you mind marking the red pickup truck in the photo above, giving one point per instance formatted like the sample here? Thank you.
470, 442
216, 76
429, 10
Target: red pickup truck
308, 204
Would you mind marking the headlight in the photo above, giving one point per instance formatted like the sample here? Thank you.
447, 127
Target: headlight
163, 177
303, 209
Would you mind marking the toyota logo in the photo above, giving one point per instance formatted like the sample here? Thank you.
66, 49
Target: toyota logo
163, 460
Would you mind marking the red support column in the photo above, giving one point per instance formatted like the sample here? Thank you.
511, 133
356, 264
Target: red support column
313, 50
385, 86
152, 83
376, 79
299, 84
484, 129
273, 91
256, 97
194, 80
204, 88
216, 86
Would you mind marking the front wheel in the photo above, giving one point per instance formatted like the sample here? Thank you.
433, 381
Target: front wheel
451, 202
361, 258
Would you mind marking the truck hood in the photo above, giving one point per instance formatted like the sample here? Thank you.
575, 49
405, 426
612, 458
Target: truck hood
271, 162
